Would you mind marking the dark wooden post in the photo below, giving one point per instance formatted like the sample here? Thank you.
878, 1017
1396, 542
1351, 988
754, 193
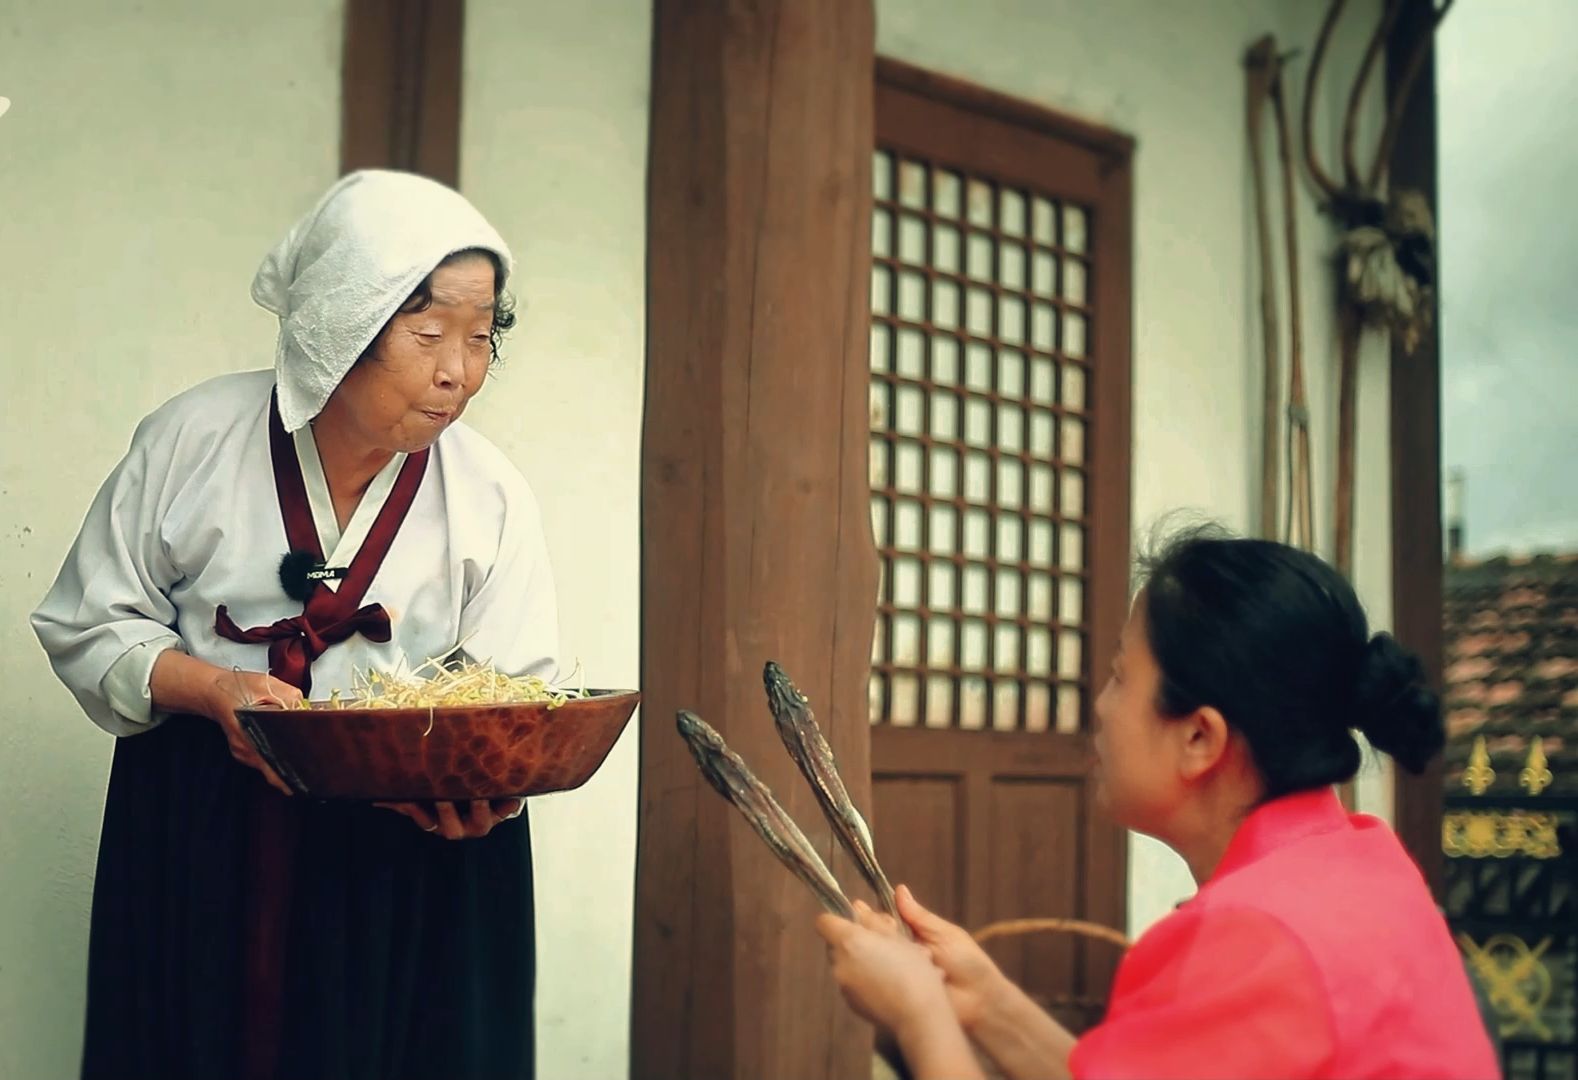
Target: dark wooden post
1416, 445
400, 105
756, 536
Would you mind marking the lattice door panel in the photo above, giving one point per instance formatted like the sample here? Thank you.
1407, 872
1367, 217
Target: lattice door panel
980, 358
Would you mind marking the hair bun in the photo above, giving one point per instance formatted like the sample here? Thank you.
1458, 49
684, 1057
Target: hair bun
1395, 708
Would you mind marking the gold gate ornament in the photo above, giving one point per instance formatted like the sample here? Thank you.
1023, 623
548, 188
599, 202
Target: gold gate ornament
1515, 978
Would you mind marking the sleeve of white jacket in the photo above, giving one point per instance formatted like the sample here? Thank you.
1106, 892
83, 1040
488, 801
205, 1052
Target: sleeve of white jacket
511, 616
108, 615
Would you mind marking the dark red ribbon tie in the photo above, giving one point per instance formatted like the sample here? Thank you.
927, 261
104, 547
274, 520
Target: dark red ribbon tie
294, 643
329, 616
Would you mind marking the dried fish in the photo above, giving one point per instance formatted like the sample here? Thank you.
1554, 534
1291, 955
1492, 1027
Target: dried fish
729, 776
803, 739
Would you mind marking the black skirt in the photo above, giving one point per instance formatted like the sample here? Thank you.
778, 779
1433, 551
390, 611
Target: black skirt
402, 954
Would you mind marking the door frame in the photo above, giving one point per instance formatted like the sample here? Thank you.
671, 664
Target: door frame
1094, 165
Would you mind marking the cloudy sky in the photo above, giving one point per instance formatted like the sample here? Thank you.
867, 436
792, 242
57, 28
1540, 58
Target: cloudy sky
1508, 85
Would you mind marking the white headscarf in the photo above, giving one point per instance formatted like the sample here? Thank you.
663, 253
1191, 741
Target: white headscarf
344, 269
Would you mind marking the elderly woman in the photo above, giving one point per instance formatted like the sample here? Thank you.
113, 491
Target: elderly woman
1313, 948
267, 533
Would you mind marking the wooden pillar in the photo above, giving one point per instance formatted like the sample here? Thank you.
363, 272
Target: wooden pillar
400, 100
756, 536
1416, 443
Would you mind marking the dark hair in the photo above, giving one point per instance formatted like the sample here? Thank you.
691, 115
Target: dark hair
421, 299
1277, 641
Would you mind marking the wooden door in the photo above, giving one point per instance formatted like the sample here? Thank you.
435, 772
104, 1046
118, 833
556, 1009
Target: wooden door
1000, 448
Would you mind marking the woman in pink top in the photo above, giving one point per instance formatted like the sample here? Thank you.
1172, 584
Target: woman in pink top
1313, 947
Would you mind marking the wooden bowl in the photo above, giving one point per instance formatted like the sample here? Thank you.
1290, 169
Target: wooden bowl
464, 752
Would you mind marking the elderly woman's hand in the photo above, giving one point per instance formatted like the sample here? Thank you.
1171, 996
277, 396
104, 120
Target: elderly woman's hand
180, 683
234, 690
447, 819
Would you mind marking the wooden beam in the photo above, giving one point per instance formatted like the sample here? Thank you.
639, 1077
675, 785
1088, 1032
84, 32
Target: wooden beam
1114, 146
1416, 444
400, 105
756, 534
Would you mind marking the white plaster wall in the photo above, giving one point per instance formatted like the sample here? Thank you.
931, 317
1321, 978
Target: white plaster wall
554, 150
1170, 74
151, 155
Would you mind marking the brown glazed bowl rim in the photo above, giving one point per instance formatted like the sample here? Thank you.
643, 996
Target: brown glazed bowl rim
341, 779
439, 712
